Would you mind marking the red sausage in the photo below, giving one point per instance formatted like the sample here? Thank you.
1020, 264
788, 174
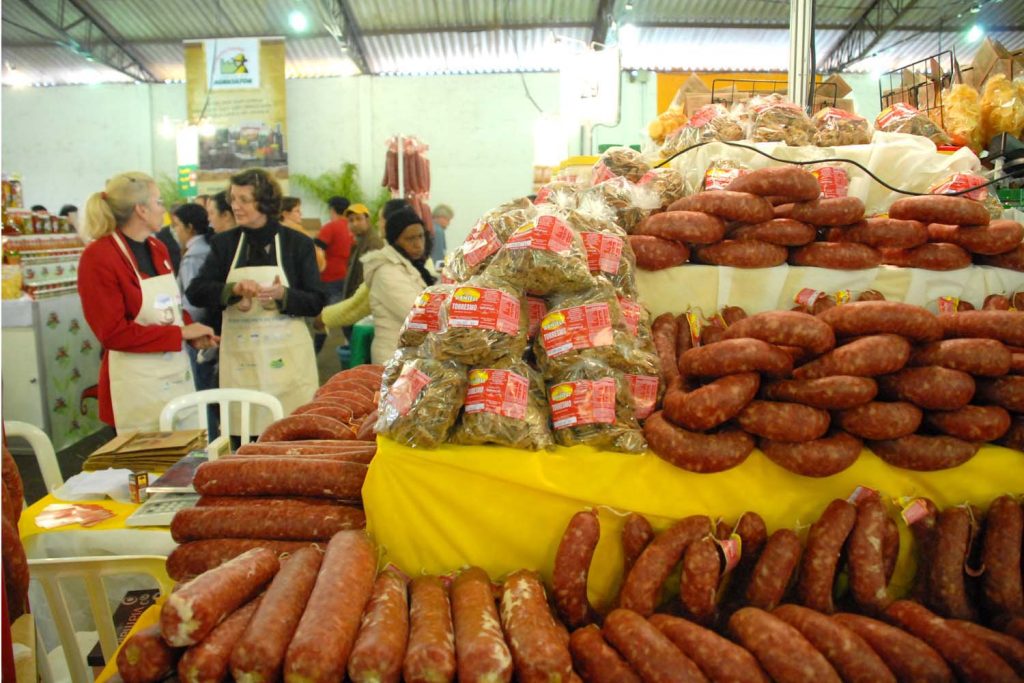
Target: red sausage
718, 658
732, 206
430, 654
297, 522
883, 317
189, 560
292, 476
782, 651
295, 427
539, 647
1009, 648
779, 181
923, 529
774, 570
924, 453
931, 256
836, 392
784, 421
947, 581
480, 648
1001, 554
940, 209
786, 328
985, 357
784, 232
1007, 392
640, 592
663, 331
636, 535
882, 232
930, 387
696, 451
572, 566
209, 660
1006, 326
379, 649
648, 650
880, 354
742, 254
825, 542
596, 660
878, 420
829, 211
972, 423
698, 588
733, 356
909, 658
817, 458
836, 255
145, 657
866, 553
691, 227
998, 237
713, 403
1011, 260
654, 253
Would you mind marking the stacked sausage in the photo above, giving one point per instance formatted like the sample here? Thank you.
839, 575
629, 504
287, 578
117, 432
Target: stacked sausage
298, 485
923, 390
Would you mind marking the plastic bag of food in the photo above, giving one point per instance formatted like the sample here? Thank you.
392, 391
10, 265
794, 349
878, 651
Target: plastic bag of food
608, 252
486, 238
620, 161
537, 308
710, 122
666, 182
961, 112
963, 181
591, 404
561, 193
721, 172
630, 202
1002, 110
505, 404
419, 407
543, 256
903, 118
776, 119
487, 321
643, 369
838, 127
427, 315
667, 122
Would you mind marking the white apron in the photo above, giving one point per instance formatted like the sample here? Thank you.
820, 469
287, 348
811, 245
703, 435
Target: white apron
265, 349
142, 383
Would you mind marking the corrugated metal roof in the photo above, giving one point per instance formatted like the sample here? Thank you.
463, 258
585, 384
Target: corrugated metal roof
702, 12
900, 48
442, 15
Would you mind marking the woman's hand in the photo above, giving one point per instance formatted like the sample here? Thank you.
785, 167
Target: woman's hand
274, 292
208, 342
195, 331
318, 324
247, 289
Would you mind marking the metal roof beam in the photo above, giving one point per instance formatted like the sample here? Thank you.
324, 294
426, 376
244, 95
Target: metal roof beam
858, 41
602, 20
346, 31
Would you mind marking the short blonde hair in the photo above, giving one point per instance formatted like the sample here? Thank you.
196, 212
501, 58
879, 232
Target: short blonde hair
110, 209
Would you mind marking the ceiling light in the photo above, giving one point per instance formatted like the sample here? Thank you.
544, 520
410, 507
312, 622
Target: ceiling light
975, 33
975, 9
16, 79
298, 21
628, 34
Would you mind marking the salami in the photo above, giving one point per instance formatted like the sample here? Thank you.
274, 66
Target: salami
784, 421
742, 254
1007, 392
648, 650
732, 206
1002, 592
280, 477
540, 651
924, 453
786, 328
379, 649
996, 302
12, 484
296, 427
879, 420
940, 209
835, 392
189, 560
718, 658
947, 582
430, 654
998, 237
596, 660
712, 404
931, 256
882, 232
663, 331
890, 548
145, 657
1011, 260
868, 582
331, 410
971, 423
480, 647
640, 592
1009, 648
784, 232
692, 227
289, 523
908, 657
210, 659
733, 356
1005, 326
791, 182
824, 212
816, 458
15, 569
883, 317
836, 256
654, 253
825, 542
930, 387
774, 570
284, 504
781, 650
702, 570
881, 354
696, 451
984, 357
922, 525
636, 535
572, 566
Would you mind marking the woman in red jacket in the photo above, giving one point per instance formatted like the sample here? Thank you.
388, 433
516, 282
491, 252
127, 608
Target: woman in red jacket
132, 303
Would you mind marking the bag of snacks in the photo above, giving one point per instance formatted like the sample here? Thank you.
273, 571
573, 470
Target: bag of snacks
776, 119
427, 315
543, 256
903, 118
630, 202
486, 238
665, 182
505, 404
608, 252
961, 112
963, 181
721, 172
486, 321
837, 127
1002, 110
620, 161
591, 405
420, 403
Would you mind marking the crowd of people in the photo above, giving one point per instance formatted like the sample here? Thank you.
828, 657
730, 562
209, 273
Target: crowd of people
234, 293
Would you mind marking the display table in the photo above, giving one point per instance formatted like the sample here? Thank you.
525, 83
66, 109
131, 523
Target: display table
504, 509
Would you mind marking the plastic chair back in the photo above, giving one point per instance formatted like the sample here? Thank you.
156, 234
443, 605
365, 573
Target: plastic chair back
43, 449
247, 398
51, 572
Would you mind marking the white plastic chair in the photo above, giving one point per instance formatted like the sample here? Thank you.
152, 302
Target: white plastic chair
43, 449
50, 573
224, 397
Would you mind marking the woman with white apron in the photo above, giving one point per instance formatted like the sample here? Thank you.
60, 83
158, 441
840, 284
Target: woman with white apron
266, 279
131, 301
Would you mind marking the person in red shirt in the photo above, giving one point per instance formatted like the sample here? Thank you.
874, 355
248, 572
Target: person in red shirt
336, 240
132, 303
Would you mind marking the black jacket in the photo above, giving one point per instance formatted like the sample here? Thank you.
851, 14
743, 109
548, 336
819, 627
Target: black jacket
305, 296
173, 248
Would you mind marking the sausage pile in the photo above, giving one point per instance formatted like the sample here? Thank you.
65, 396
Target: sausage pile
15, 563
922, 390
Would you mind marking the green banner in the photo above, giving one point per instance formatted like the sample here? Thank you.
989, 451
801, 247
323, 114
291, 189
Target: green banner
188, 181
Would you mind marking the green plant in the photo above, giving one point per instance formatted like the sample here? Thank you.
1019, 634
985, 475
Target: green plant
170, 191
341, 183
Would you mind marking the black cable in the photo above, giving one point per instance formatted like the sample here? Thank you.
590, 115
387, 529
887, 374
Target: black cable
515, 49
832, 160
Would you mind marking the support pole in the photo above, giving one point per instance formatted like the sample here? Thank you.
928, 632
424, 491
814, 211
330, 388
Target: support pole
801, 71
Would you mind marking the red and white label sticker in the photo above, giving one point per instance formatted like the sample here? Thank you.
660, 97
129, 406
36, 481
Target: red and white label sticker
914, 512
488, 309
426, 314
582, 402
447, 279
648, 177
768, 105
407, 388
900, 110
501, 392
862, 493
604, 252
536, 309
703, 116
719, 178
542, 195
964, 181
732, 550
645, 394
948, 304
834, 181
576, 328
807, 296
835, 114
601, 173
481, 243
631, 311
548, 233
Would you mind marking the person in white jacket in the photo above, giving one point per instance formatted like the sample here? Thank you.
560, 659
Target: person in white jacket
395, 276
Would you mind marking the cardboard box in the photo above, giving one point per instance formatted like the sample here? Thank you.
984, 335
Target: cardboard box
842, 87
692, 95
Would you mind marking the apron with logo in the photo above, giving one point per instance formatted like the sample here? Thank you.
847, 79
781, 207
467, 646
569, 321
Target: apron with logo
142, 383
265, 349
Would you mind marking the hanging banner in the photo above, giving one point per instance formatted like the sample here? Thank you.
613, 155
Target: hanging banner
236, 99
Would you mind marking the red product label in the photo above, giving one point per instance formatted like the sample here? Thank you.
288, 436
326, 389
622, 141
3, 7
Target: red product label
447, 279
481, 243
732, 550
776, 104
648, 177
835, 113
536, 309
963, 181
719, 178
425, 315
582, 402
645, 394
407, 388
576, 328
900, 110
548, 233
501, 392
703, 116
604, 252
862, 493
542, 195
834, 181
487, 309
601, 173
807, 296
914, 512
631, 311
948, 304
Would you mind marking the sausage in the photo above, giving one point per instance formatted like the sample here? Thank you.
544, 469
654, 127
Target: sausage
1014, 438
280, 477
753, 534
1017, 363
572, 566
970, 657
890, 548
540, 650
637, 534
713, 403
786, 328
784, 232
663, 332
331, 410
998, 237
825, 542
288, 523
851, 656
210, 659
320, 648
940, 209
870, 295
971, 423
362, 458
825, 212
836, 392
1006, 326
640, 591
191, 612
996, 302
930, 387
698, 587
295, 427
784, 421
947, 582
880, 354
480, 648
931, 256
732, 206
15, 568
430, 654
908, 657
1014, 626
718, 658
732, 356
985, 357
924, 453
866, 558
596, 660
922, 526
836, 255
816, 458
305, 447
258, 655
648, 650
791, 182
1007, 391
781, 650
654, 253
774, 570
692, 227
1011, 260
189, 560
882, 232
1001, 554
883, 317
742, 254
684, 337
881, 421
696, 451
13, 484
379, 649
1009, 648
145, 657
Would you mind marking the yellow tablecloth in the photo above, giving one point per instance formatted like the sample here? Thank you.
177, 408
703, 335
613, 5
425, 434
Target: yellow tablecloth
505, 509
148, 618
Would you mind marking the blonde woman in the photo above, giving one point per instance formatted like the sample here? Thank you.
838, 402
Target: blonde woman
132, 303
